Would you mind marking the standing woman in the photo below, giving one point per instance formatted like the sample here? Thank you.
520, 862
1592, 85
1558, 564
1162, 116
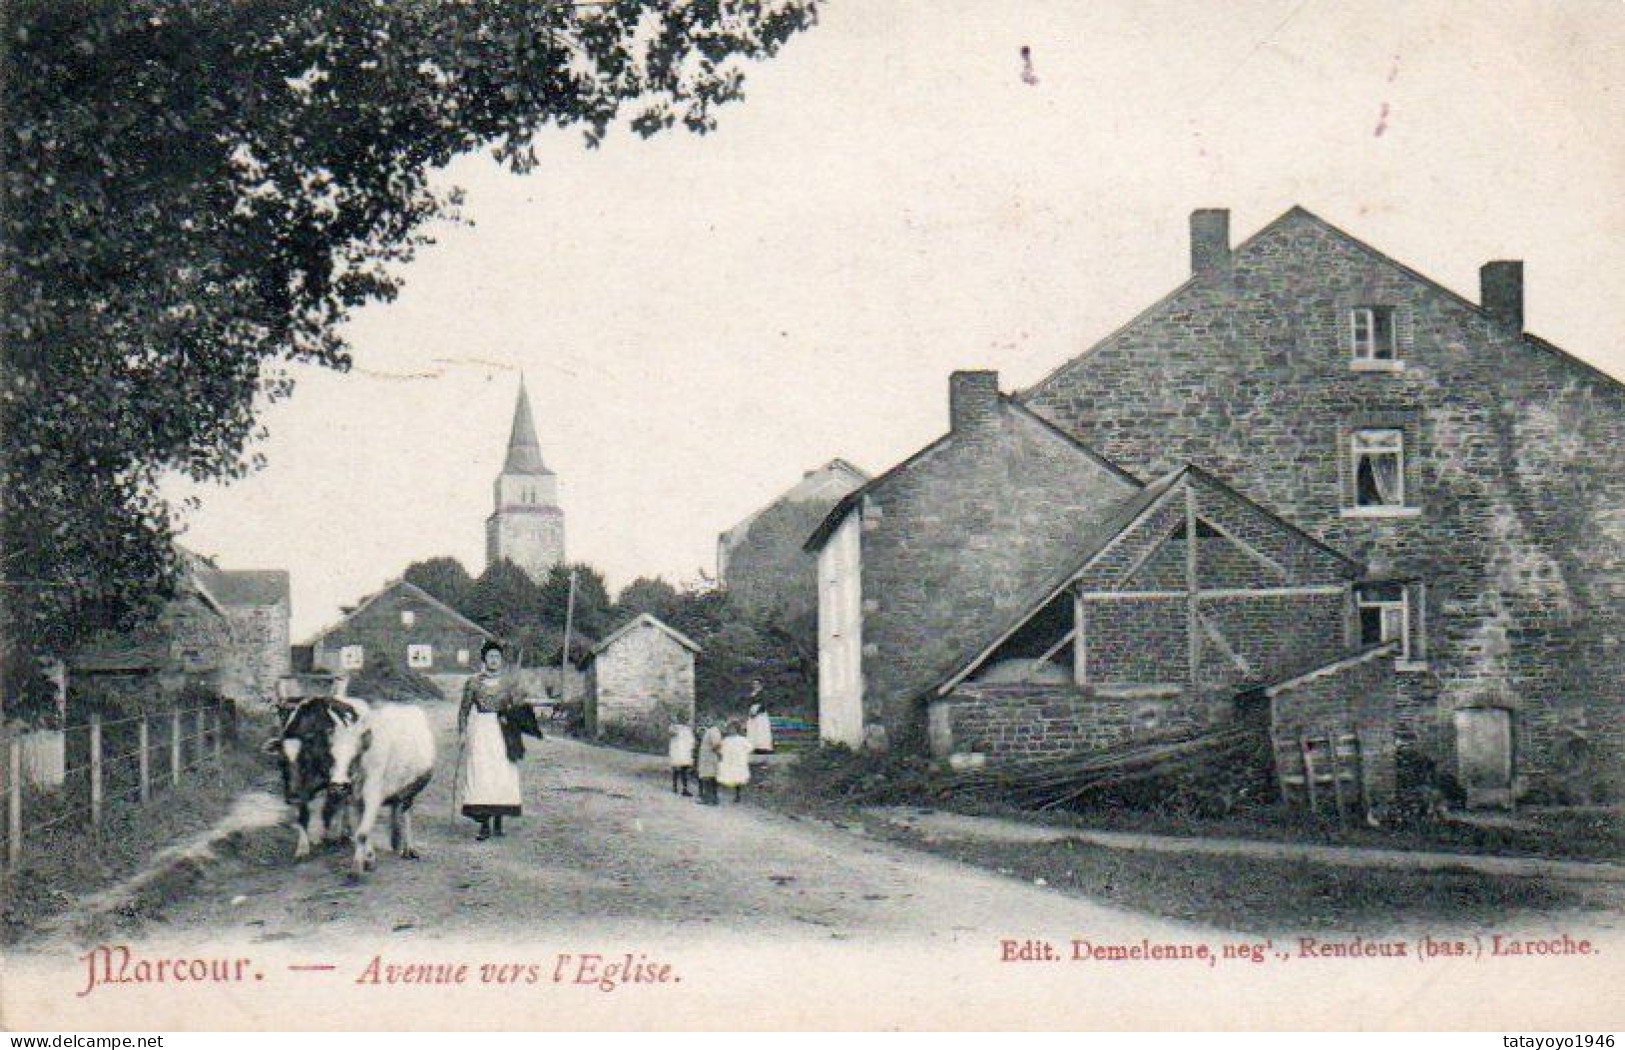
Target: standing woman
759, 730
488, 782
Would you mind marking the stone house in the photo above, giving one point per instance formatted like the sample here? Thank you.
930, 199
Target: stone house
186, 647
917, 565
412, 628
640, 679
257, 605
760, 561
1476, 470
1015, 596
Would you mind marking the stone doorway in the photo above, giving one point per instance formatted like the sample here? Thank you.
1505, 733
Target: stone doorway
1484, 755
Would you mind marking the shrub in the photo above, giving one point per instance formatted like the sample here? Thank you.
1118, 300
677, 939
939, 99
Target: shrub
382, 679
835, 774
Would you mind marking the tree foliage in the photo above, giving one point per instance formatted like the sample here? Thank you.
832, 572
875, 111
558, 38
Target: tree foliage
647, 594
593, 615
443, 577
506, 602
195, 194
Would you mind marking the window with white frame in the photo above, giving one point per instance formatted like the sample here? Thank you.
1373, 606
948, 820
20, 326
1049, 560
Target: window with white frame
1371, 333
1379, 468
1385, 616
462, 658
420, 656
408, 617
351, 657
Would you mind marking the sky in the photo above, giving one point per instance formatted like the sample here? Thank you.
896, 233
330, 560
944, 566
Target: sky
701, 319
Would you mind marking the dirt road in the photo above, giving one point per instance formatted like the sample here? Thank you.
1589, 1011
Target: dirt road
758, 919
604, 844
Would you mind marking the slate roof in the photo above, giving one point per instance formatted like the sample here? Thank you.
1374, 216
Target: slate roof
524, 451
416, 592
645, 618
249, 587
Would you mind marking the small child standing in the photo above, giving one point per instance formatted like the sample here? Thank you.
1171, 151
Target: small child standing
681, 753
709, 759
734, 769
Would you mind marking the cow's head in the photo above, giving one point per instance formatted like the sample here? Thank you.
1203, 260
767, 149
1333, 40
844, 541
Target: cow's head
321, 740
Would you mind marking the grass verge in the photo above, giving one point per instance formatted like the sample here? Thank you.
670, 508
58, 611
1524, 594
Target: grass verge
60, 866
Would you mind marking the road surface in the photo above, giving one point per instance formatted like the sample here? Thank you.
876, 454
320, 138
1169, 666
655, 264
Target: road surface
759, 918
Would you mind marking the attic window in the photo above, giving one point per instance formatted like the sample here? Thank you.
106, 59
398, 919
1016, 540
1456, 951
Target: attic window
408, 617
1371, 334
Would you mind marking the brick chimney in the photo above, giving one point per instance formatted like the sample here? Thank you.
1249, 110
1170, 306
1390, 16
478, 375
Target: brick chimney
1210, 241
973, 400
1500, 291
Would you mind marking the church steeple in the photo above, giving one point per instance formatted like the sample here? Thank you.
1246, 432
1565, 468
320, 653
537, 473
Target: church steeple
526, 525
524, 451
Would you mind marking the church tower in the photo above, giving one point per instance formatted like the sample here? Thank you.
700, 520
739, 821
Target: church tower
526, 525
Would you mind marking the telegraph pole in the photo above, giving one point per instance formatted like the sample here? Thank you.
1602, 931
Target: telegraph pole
564, 656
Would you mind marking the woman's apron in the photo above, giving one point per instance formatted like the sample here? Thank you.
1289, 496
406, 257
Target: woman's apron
489, 783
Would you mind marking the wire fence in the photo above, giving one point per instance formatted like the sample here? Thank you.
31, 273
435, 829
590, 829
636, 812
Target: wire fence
76, 775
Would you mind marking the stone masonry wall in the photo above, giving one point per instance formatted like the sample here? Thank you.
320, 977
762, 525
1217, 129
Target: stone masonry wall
970, 527
1025, 722
1357, 699
260, 652
644, 680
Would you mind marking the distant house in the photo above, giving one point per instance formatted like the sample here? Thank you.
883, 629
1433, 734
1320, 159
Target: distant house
760, 560
409, 627
257, 607
640, 678
188, 645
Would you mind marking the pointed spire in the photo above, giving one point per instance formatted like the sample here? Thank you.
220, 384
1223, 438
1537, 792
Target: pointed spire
524, 451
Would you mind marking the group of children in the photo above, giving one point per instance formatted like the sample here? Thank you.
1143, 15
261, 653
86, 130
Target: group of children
724, 751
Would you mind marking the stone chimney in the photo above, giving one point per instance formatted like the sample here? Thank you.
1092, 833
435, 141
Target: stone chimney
1210, 241
1500, 291
973, 400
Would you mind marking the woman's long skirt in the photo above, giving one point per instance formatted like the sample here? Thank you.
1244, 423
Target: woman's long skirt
488, 784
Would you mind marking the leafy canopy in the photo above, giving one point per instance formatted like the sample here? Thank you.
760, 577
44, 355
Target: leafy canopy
196, 193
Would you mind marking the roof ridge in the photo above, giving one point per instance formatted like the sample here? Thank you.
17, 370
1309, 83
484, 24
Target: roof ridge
1527, 338
654, 621
1298, 211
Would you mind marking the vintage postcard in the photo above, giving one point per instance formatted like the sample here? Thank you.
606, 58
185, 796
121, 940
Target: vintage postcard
786, 514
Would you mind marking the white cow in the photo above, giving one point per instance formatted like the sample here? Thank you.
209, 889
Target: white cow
363, 755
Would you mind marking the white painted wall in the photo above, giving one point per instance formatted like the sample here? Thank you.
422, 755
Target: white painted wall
840, 634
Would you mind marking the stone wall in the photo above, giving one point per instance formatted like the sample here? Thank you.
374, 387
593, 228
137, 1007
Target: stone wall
959, 537
1351, 697
1515, 468
1015, 723
642, 682
260, 652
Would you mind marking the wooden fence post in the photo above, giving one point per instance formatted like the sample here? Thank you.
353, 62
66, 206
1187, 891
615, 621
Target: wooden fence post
14, 803
175, 748
95, 769
144, 764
